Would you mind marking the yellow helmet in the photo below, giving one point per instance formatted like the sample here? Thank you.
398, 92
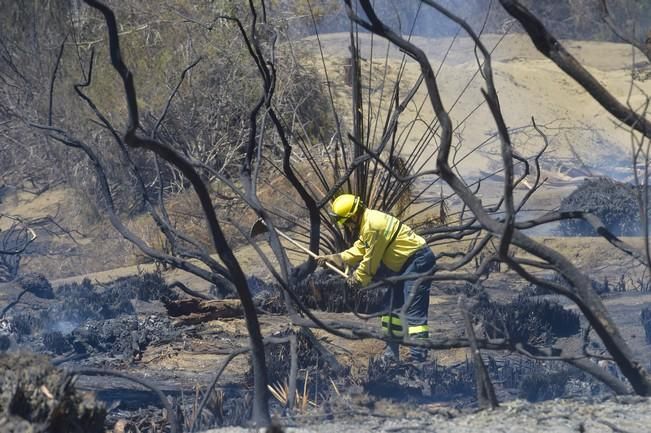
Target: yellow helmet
344, 207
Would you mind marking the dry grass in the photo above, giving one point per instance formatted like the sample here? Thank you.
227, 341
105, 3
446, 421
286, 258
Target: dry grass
281, 393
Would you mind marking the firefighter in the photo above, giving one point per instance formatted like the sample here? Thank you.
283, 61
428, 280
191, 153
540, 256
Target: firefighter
386, 247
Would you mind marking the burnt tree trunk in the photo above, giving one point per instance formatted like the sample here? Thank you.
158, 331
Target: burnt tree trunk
193, 311
261, 415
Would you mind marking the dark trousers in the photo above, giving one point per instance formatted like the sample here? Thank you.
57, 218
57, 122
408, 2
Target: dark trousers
409, 298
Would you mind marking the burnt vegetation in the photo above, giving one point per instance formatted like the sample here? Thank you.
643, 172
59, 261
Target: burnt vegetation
615, 203
86, 318
526, 320
181, 124
645, 318
36, 393
87, 301
326, 291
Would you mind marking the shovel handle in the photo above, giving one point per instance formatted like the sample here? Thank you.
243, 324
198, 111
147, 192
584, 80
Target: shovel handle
328, 264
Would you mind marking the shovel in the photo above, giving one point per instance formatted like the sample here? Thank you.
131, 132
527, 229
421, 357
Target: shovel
260, 227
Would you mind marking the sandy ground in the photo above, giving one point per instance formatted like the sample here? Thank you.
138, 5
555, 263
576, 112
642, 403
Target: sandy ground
579, 131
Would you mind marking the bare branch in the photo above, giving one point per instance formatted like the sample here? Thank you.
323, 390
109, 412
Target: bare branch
621, 34
549, 46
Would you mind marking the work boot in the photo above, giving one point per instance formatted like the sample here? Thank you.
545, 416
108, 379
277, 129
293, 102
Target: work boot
391, 353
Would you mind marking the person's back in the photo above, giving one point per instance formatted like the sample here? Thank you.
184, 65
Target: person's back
383, 239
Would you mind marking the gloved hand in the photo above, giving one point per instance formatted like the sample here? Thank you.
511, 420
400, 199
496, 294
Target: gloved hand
335, 259
353, 283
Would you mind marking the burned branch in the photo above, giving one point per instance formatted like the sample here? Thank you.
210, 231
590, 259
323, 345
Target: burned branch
550, 47
485, 391
272, 169
582, 292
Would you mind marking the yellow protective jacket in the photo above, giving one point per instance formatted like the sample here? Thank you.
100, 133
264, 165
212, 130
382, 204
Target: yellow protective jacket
376, 231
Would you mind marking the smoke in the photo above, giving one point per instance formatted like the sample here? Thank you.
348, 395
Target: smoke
65, 327
416, 18
567, 19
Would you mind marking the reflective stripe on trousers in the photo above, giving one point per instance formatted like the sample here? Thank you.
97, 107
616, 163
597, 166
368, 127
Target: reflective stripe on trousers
416, 313
391, 325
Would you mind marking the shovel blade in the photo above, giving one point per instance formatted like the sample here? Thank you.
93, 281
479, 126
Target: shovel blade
258, 228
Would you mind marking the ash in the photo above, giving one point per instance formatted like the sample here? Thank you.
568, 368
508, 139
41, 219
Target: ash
123, 326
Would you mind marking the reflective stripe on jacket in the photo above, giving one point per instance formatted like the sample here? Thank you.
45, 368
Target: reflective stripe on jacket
376, 231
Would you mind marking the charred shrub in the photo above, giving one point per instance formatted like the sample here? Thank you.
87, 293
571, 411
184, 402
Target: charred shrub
615, 203
37, 285
146, 287
278, 357
514, 376
470, 290
326, 291
400, 381
554, 381
81, 302
224, 408
56, 343
452, 381
528, 377
125, 336
26, 406
86, 301
321, 369
539, 387
221, 292
26, 324
539, 290
5, 342
9, 263
22, 323
258, 286
525, 320
645, 318
535, 290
